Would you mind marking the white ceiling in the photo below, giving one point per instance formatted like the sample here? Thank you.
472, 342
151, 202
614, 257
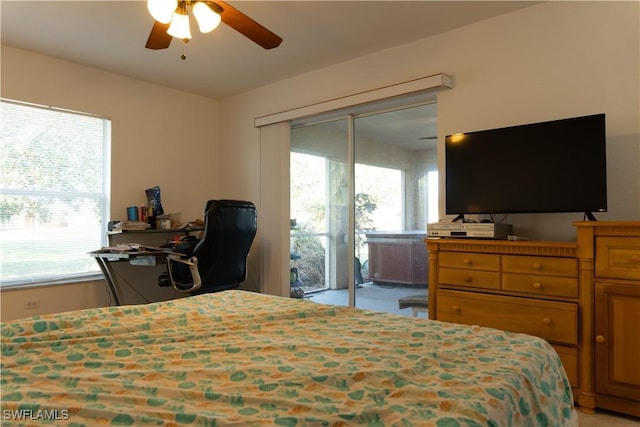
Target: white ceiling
110, 35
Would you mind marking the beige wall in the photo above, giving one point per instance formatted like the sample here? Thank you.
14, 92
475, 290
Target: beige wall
53, 299
556, 59
553, 60
160, 136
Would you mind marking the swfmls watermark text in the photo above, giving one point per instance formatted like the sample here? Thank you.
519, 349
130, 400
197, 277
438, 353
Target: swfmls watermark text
35, 414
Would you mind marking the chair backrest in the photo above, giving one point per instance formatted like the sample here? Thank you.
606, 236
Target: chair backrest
230, 227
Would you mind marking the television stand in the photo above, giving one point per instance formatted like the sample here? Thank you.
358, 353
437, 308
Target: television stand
460, 218
589, 216
527, 287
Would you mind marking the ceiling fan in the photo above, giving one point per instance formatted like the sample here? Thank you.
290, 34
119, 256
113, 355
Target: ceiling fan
172, 20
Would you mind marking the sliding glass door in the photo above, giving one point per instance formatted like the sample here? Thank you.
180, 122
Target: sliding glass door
319, 184
362, 190
395, 162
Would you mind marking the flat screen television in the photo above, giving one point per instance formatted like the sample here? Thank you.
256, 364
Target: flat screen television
554, 166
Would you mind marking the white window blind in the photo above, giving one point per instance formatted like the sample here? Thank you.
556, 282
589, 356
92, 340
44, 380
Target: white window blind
54, 193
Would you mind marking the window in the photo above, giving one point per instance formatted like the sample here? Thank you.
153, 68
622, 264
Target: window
54, 193
383, 187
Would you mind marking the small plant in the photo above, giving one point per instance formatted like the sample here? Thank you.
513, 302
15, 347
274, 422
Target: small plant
309, 259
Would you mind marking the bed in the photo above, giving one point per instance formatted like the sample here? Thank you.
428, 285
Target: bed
247, 359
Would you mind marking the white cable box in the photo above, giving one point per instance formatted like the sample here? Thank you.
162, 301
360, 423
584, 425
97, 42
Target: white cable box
477, 230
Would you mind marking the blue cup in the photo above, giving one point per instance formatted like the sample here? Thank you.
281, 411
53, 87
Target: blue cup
132, 213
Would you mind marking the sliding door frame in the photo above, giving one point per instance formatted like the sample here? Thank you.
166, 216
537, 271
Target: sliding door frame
273, 231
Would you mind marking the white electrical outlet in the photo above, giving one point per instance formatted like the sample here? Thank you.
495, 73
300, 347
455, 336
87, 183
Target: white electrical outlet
32, 303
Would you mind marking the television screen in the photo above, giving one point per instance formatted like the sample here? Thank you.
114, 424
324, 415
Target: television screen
554, 166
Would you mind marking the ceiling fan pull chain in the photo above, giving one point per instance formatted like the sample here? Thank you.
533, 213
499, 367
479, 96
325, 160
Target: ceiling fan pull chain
183, 56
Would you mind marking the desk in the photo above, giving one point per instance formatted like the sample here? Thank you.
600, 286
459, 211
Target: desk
132, 277
153, 237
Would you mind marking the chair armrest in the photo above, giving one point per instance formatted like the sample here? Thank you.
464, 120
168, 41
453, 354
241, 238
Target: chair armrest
192, 263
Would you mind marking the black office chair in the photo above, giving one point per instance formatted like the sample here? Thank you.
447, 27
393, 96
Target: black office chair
219, 261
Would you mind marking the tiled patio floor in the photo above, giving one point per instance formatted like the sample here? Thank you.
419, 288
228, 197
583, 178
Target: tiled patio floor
371, 296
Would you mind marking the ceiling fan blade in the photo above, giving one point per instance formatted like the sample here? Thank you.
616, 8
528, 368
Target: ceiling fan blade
247, 26
158, 38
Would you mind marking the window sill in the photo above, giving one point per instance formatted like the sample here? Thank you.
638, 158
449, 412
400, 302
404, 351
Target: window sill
20, 286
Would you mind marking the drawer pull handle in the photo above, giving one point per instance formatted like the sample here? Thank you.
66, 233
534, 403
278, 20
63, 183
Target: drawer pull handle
546, 320
456, 309
536, 266
468, 279
537, 285
600, 338
467, 261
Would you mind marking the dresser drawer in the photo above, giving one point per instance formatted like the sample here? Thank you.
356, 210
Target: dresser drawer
618, 257
554, 321
540, 265
570, 362
541, 285
471, 278
471, 261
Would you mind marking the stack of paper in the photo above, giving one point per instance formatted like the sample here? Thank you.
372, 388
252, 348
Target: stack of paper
131, 225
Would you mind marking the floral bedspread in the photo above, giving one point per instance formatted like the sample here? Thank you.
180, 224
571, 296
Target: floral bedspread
247, 359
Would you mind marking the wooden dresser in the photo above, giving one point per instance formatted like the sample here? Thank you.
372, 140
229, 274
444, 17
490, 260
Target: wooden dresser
609, 256
550, 289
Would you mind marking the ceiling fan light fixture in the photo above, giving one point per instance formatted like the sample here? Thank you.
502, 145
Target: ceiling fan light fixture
179, 27
162, 10
207, 19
